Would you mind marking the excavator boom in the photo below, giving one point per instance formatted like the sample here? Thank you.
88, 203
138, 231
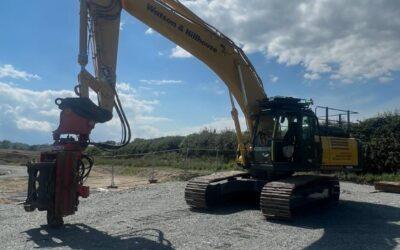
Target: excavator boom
174, 21
177, 23
100, 25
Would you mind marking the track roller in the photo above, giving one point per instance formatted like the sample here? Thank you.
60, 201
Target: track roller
203, 192
281, 199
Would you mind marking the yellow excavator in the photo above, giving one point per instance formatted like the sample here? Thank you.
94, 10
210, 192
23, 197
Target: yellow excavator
286, 137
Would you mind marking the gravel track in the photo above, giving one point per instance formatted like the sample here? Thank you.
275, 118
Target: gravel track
156, 217
12, 171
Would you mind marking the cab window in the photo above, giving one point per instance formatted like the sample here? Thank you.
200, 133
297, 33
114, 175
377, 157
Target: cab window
308, 128
264, 132
281, 128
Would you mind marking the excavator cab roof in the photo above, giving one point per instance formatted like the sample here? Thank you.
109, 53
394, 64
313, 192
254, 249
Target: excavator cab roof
280, 104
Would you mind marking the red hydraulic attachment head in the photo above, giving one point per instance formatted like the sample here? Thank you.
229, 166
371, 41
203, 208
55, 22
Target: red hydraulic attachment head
56, 182
71, 123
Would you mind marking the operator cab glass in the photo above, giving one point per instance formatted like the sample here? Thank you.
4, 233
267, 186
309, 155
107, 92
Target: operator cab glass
285, 138
290, 139
263, 140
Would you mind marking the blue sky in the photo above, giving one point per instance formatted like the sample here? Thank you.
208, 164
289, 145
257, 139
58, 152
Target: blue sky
169, 93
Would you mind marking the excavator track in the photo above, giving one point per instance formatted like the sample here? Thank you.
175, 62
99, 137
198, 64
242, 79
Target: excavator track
281, 199
203, 192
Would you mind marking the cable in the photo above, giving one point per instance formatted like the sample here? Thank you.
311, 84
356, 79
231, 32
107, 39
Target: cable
84, 170
126, 129
107, 12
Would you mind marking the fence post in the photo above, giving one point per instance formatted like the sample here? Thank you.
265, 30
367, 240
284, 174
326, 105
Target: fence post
185, 164
327, 116
152, 178
216, 159
348, 121
112, 177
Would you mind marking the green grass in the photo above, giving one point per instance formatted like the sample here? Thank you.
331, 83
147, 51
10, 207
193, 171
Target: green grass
196, 166
173, 165
174, 161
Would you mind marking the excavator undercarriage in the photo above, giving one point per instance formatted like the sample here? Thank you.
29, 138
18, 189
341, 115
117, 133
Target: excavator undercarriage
278, 199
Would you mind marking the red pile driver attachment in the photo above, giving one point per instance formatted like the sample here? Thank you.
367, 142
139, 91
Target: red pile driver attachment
56, 182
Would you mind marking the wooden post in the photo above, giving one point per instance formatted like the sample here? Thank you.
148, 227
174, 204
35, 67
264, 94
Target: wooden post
152, 178
186, 165
216, 159
112, 185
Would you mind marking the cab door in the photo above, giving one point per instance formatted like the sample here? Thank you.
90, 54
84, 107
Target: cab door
310, 145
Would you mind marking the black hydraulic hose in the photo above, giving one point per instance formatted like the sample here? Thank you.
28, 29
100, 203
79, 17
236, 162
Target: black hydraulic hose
126, 121
126, 129
85, 171
123, 126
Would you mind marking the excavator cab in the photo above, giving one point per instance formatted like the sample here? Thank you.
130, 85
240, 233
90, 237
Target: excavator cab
293, 140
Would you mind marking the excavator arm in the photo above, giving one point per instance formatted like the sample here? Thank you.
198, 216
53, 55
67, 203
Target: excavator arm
177, 23
180, 25
99, 28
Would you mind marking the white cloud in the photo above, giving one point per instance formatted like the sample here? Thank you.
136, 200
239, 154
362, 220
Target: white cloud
149, 31
161, 82
159, 93
273, 78
8, 70
144, 88
313, 76
153, 119
139, 113
178, 52
121, 25
385, 79
27, 115
55, 112
32, 125
30, 116
350, 40
125, 87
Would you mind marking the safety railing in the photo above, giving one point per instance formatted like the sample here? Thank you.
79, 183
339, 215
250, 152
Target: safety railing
334, 117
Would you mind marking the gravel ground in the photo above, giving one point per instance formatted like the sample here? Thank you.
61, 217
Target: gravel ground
12, 171
156, 217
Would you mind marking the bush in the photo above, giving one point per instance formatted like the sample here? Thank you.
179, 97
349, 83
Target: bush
5, 144
381, 138
225, 142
